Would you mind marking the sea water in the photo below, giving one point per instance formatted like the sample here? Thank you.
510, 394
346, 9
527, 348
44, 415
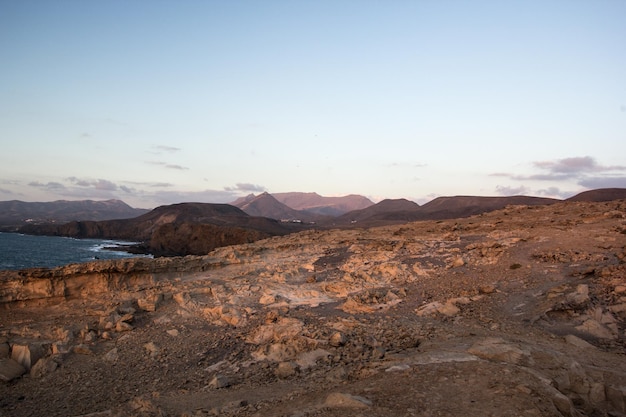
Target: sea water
19, 251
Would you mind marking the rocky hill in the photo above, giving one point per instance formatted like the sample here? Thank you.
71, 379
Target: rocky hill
516, 312
388, 211
177, 229
602, 194
400, 211
266, 205
15, 213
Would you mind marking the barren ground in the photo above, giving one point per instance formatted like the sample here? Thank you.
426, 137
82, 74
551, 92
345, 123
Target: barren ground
519, 312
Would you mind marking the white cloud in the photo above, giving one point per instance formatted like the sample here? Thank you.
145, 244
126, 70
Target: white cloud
509, 191
603, 182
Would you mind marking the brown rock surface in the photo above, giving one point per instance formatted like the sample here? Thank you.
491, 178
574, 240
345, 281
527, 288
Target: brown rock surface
377, 322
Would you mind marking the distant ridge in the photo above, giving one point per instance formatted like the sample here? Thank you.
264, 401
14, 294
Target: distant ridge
464, 206
17, 213
327, 206
403, 211
265, 205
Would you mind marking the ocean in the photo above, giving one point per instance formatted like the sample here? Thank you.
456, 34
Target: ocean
19, 251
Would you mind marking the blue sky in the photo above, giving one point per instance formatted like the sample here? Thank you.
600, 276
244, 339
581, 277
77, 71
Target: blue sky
157, 102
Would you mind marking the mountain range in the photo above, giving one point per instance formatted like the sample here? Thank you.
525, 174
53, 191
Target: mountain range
17, 213
197, 228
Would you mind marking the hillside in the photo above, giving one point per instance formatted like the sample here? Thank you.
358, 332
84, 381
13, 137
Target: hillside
515, 312
601, 194
463, 206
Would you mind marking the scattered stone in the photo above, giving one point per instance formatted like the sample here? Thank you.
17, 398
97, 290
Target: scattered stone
579, 298
122, 326
10, 369
577, 341
616, 395
112, 355
448, 309
487, 289
172, 332
341, 400
595, 329
496, 349
150, 303
397, 368
309, 359
152, 349
44, 366
220, 381
59, 348
337, 339
286, 369
27, 354
82, 350
458, 262
563, 404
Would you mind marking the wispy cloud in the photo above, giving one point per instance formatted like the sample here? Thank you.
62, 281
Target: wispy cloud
167, 165
573, 172
246, 188
174, 166
575, 166
165, 148
604, 182
7, 192
508, 191
49, 186
99, 184
406, 165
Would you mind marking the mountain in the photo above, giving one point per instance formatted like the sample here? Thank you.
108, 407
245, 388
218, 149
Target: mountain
465, 206
177, 229
599, 195
385, 212
16, 213
402, 211
327, 206
265, 205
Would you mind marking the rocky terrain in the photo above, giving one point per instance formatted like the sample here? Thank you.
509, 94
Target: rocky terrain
516, 312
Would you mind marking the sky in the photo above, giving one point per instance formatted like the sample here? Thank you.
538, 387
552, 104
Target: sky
159, 102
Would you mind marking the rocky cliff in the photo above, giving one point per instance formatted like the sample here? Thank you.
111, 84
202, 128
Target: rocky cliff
521, 311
